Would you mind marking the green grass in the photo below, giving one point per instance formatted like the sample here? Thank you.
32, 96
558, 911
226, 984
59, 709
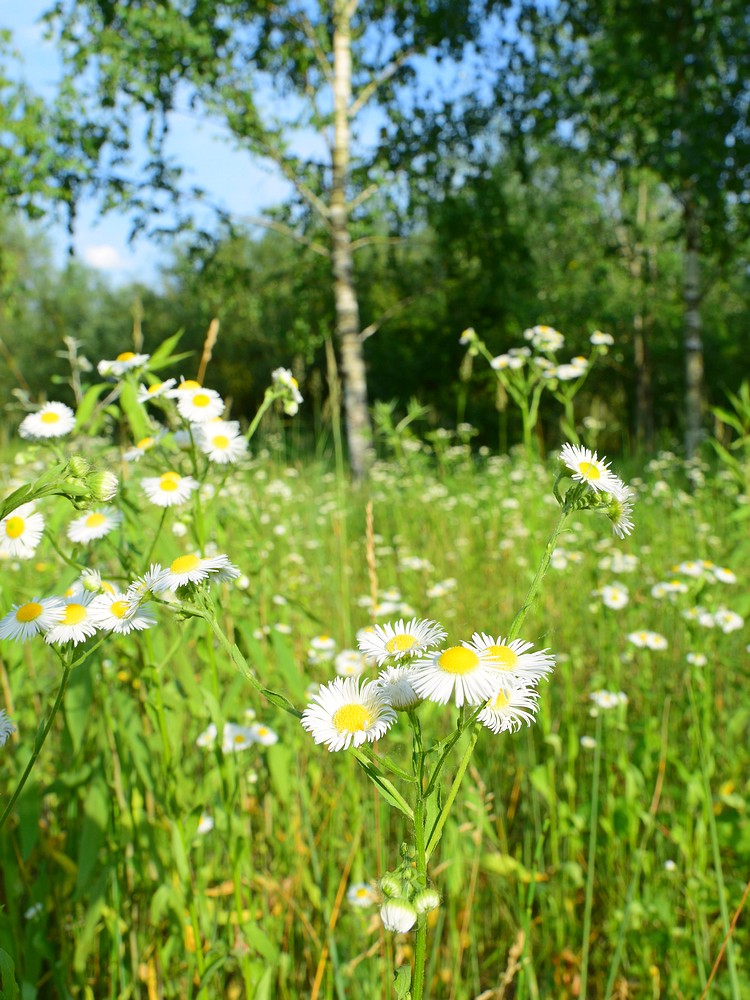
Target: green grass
134, 902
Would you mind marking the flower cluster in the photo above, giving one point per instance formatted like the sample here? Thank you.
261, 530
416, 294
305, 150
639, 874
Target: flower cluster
603, 491
494, 676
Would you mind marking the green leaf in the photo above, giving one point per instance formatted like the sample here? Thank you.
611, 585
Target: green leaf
279, 760
8, 985
96, 811
264, 989
402, 983
163, 353
88, 404
86, 935
77, 703
135, 413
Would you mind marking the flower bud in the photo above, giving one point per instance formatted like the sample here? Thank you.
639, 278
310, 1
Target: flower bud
78, 467
103, 486
426, 900
390, 885
398, 915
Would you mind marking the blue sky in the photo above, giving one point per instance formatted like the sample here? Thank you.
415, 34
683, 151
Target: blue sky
231, 178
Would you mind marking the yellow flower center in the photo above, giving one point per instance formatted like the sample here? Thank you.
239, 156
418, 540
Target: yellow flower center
125, 356
189, 384
184, 564
29, 612
201, 399
145, 443
589, 470
155, 388
74, 614
50, 417
169, 482
119, 608
14, 527
239, 738
500, 701
400, 643
351, 718
503, 657
220, 441
261, 731
458, 660
95, 520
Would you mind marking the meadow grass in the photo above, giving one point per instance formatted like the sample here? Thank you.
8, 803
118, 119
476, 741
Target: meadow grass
601, 848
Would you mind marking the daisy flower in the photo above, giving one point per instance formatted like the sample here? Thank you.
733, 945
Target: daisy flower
396, 685
114, 613
97, 524
588, 468
599, 339
283, 379
509, 708
646, 639
7, 729
343, 714
221, 441
139, 449
608, 699
513, 658
205, 823
468, 672
361, 894
169, 489
349, 663
208, 737
76, 624
32, 618
147, 392
193, 568
614, 595
124, 362
544, 338
618, 507
21, 532
199, 405
51, 421
400, 640
263, 734
236, 738
728, 621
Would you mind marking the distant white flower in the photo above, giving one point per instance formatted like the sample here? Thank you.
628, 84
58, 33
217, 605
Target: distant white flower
349, 663
139, 449
124, 362
647, 639
221, 441
291, 397
205, 823
235, 738
360, 894
614, 595
263, 734
148, 392
51, 421
724, 575
544, 338
208, 737
728, 621
600, 339
94, 525
697, 659
608, 699
168, 490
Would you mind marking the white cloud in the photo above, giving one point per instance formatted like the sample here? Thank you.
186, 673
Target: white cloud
104, 257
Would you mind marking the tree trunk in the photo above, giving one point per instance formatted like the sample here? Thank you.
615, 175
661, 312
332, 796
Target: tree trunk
640, 272
357, 417
693, 343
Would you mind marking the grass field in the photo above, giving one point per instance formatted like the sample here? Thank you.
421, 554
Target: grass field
602, 851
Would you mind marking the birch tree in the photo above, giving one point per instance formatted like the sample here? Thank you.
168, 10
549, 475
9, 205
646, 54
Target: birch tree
324, 90
661, 86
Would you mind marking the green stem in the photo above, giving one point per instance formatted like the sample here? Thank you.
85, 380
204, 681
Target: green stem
267, 400
155, 539
437, 829
536, 583
715, 848
38, 743
594, 822
420, 942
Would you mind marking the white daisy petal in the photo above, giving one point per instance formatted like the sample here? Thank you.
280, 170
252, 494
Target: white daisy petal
401, 640
343, 714
51, 421
463, 672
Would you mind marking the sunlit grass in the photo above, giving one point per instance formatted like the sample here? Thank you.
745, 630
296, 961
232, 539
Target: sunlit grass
109, 883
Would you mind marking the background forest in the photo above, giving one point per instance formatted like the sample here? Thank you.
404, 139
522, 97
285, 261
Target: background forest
594, 178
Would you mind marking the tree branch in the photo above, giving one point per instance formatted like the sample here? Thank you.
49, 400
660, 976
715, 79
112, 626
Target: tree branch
390, 313
285, 167
366, 241
280, 227
320, 54
362, 197
369, 89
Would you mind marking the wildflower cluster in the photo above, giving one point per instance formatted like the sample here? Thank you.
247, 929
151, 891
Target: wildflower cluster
495, 677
